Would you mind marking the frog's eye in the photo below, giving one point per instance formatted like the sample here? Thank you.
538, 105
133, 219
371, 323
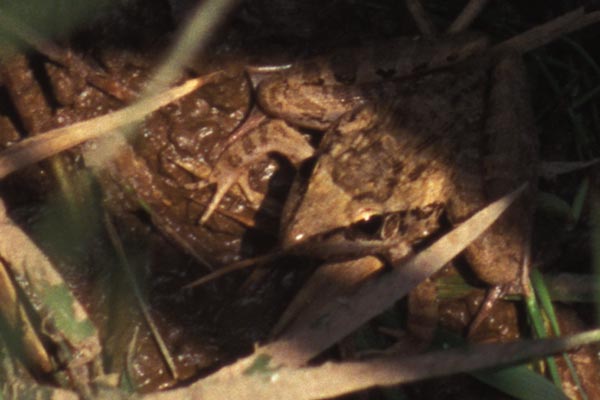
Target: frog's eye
369, 226
391, 225
380, 226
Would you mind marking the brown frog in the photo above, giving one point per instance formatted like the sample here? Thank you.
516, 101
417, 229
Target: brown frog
449, 132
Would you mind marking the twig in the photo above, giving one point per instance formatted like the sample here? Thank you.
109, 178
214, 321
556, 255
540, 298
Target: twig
468, 14
248, 262
120, 250
421, 18
252, 121
548, 32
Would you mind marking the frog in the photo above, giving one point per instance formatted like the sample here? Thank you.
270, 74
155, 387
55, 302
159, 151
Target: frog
448, 133
309, 95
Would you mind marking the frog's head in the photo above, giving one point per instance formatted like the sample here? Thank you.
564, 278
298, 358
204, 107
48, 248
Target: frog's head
353, 180
322, 207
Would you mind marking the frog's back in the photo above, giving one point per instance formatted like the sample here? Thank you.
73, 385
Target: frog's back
394, 154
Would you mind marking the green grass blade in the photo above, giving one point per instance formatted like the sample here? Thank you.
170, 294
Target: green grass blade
543, 295
521, 383
537, 321
579, 200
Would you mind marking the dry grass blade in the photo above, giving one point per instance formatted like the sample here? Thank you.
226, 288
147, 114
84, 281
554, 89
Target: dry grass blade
548, 32
551, 169
194, 38
53, 142
331, 281
255, 379
421, 18
233, 267
122, 255
468, 14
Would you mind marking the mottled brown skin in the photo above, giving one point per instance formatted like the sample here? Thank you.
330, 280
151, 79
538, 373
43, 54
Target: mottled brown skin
317, 92
452, 139
455, 138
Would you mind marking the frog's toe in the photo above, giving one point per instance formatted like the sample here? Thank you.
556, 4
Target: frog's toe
196, 185
220, 192
210, 209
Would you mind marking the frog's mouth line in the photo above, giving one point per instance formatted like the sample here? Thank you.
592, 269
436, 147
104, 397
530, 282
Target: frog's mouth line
374, 235
377, 236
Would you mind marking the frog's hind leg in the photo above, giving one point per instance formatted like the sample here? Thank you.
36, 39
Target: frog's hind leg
273, 136
500, 254
495, 293
512, 159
